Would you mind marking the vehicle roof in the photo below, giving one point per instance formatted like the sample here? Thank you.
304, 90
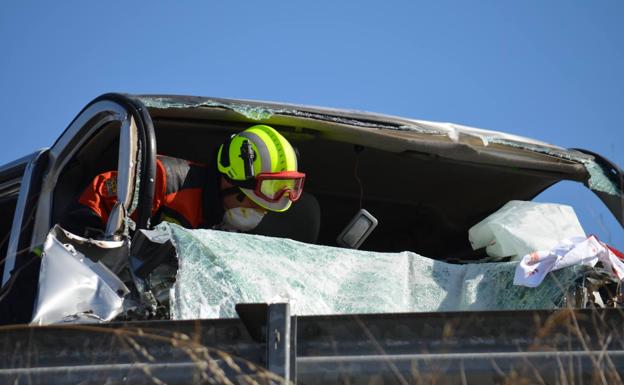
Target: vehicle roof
392, 133
261, 110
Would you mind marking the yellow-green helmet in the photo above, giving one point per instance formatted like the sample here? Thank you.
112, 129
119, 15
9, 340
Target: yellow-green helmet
263, 164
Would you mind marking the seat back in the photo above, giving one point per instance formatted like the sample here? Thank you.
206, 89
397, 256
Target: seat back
301, 222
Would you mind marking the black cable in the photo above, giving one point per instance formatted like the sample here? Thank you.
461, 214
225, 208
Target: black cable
358, 149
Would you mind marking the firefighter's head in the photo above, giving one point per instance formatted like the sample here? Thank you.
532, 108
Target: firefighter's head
259, 171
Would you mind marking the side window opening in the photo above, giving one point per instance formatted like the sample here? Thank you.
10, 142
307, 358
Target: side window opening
98, 155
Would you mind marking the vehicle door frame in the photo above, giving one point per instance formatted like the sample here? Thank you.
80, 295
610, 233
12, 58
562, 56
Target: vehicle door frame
137, 157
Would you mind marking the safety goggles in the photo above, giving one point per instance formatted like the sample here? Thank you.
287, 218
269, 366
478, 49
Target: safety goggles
272, 186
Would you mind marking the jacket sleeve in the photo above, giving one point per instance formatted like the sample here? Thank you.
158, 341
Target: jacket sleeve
92, 209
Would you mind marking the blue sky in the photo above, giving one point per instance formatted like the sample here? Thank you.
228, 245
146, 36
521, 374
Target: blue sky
551, 70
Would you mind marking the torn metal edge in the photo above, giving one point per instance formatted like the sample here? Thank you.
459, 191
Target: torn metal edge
598, 179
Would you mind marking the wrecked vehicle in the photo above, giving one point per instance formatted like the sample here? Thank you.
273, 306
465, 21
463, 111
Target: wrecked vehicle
415, 304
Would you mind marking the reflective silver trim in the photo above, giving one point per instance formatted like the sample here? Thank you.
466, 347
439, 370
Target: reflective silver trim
265, 155
126, 169
128, 145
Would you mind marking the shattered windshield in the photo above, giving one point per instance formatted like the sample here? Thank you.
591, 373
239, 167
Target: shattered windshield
218, 269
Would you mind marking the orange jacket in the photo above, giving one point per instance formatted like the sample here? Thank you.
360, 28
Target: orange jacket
185, 193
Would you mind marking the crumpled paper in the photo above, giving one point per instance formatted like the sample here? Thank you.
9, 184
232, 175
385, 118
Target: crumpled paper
534, 266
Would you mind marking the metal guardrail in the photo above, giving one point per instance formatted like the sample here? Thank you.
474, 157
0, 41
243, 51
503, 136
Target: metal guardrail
267, 345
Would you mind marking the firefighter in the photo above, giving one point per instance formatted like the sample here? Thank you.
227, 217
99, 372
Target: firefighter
256, 171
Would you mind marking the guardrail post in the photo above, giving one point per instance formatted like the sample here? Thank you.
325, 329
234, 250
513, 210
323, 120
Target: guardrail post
278, 340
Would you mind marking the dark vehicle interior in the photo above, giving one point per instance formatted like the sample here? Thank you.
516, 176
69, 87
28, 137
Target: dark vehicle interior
7, 207
424, 202
99, 154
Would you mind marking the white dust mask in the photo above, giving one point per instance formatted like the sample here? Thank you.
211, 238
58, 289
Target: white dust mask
242, 219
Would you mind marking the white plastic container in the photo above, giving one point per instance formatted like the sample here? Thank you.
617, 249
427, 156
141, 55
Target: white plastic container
520, 227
